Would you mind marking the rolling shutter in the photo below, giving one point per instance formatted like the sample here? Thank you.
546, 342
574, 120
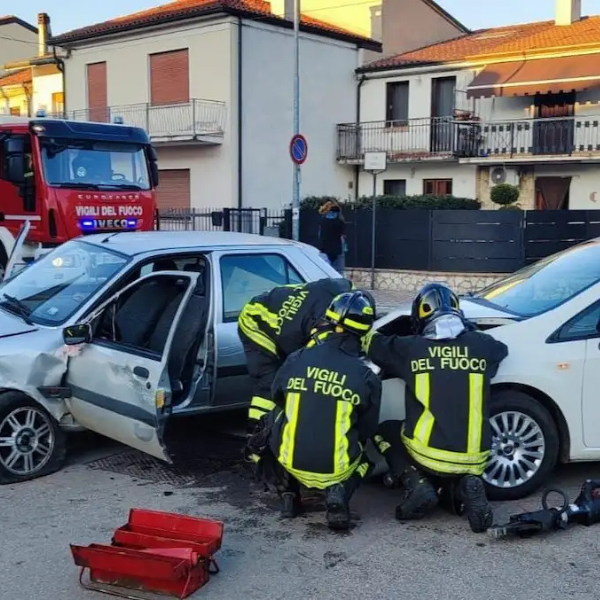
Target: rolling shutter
97, 93
174, 189
169, 77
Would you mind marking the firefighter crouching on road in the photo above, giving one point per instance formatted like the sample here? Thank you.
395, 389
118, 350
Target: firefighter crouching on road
328, 407
275, 324
446, 438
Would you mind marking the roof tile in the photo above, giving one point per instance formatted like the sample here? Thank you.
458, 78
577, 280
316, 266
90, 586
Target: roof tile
511, 39
16, 78
180, 9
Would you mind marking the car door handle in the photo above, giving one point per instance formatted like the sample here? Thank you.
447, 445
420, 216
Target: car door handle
141, 372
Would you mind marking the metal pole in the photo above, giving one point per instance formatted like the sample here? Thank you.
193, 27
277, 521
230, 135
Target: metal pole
373, 232
296, 190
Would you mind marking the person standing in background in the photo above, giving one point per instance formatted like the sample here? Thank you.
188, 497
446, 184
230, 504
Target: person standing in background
332, 239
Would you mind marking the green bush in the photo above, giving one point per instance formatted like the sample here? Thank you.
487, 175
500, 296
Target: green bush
504, 194
398, 202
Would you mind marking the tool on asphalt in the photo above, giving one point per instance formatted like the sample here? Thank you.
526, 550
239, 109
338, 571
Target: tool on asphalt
154, 552
584, 511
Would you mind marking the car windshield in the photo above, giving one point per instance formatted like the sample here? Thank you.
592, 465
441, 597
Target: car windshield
50, 290
548, 283
95, 165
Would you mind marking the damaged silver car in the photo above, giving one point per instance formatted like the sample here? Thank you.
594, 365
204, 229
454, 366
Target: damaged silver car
116, 333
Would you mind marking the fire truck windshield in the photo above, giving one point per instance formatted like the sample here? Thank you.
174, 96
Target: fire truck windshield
94, 165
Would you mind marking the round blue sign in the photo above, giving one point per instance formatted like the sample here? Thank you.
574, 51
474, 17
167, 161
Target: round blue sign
298, 149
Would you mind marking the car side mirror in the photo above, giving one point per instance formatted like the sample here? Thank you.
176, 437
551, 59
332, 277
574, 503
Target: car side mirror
77, 334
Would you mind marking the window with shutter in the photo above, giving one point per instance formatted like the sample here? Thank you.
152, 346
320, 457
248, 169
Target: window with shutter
437, 187
97, 93
169, 77
173, 189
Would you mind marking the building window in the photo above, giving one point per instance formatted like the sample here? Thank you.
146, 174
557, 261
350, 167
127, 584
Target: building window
397, 104
169, 77
394, 187
437, 187
58, 103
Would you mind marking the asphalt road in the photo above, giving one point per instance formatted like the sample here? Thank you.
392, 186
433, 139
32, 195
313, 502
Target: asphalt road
263, 557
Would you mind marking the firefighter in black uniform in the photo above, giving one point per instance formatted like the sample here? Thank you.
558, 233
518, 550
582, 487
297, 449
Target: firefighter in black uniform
445, 440
275, 324
328, 403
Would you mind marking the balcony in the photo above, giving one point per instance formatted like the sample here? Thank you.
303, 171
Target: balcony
194, 122
413, 140
559, 139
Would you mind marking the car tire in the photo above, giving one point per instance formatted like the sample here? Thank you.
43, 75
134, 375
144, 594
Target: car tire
42, 442
531, 429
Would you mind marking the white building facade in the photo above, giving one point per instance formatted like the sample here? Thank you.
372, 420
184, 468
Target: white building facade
518, 105
215, 92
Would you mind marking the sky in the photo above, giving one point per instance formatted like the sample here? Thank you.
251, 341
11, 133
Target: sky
69, 14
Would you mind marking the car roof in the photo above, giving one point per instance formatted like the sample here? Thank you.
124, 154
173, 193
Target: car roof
132, 243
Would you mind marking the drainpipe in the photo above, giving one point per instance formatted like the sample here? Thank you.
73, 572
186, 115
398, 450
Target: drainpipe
60, 65
357, 167
239, 108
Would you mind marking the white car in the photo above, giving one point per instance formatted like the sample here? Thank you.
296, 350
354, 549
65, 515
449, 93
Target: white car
546, 396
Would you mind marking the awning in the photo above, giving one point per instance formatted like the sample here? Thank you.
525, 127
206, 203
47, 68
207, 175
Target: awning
537, 76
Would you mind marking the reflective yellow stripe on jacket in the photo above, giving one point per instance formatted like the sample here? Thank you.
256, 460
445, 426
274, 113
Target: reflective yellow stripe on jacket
343, 468
473, 461
259, 407
251, 329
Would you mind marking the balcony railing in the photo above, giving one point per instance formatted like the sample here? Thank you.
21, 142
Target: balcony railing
201, 120
577, 137
446, 138
414, 139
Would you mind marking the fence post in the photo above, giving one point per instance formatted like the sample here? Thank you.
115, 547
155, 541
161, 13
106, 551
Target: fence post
226, 219
287, 220
157, 219
262, 221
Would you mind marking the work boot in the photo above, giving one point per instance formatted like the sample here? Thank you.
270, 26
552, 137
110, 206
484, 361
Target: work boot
338, 511
419, 497
477, 509
290, 505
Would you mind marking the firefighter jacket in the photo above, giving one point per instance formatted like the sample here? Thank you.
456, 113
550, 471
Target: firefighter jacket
332, 400
280, 321
447, 396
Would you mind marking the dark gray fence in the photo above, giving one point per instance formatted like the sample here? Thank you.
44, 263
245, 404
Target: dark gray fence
467, 241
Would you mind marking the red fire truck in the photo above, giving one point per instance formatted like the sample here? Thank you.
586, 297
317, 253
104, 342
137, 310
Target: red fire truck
69, 178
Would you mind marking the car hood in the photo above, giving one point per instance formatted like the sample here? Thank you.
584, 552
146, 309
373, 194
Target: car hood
11, 325
480, 314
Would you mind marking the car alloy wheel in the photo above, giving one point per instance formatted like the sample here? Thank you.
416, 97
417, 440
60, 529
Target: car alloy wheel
26, 441
518, 449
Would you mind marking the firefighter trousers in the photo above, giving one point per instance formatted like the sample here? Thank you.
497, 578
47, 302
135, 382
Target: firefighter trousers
262, 368
389, 444
273, 473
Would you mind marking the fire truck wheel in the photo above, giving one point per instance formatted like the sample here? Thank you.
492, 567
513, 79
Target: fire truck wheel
31, 442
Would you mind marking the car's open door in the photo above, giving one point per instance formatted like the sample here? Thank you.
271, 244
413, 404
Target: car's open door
119, 381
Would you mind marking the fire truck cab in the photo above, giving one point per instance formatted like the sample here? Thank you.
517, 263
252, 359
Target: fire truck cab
72, 178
